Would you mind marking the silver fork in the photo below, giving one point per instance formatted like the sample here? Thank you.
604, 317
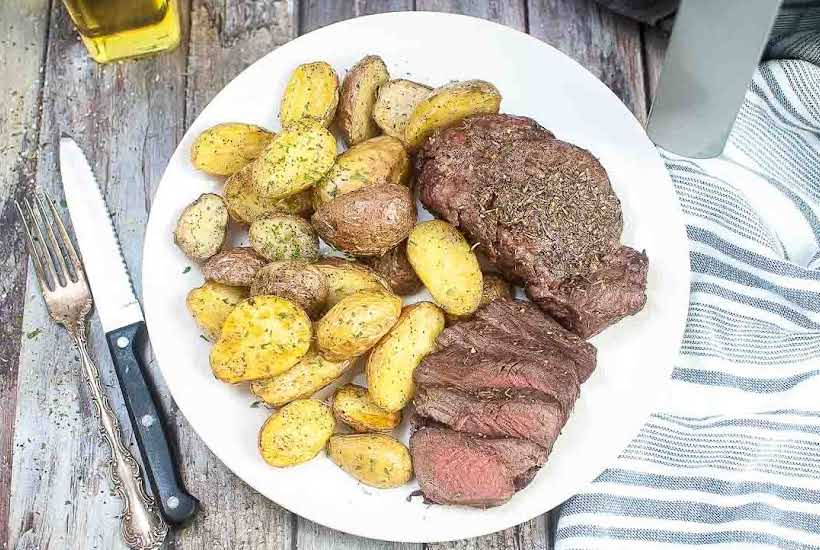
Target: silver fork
68, 299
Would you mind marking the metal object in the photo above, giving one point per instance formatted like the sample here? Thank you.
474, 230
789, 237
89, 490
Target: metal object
68, 299
711, 58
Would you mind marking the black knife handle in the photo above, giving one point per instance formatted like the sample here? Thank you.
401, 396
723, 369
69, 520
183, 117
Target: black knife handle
178, 507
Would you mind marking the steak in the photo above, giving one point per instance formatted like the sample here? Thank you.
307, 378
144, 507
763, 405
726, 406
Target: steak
541, 210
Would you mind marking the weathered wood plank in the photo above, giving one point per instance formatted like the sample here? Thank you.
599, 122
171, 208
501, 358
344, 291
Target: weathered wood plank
655, 41
508, 12
608, 45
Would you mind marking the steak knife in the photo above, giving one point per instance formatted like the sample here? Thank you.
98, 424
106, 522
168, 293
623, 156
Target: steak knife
121, 318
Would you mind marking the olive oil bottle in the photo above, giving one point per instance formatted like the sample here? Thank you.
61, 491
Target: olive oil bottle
120, 29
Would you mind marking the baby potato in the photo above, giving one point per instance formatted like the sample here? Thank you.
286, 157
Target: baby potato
377, 460
447, 105
346, 277
312, 92
391, 364
284, 237
312, 373
395, 100
210, 305
356, 323
355, 116
223, 149
294, 160
447, 265
373, 162
493, 288
296, 433
234, 266
261, 337
202, 227
297, 281
352, 405
245, 204
395, 267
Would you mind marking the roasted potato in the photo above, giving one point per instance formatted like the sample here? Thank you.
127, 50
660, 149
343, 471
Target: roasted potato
395, 267
447, 265
377, 460
312, 373
373, 162
312, 92
391, 363
234, 266
367, 222
447, 105
245, 204
395, 100
296, 433
284, 237
352, 405
297, 281
210, 305
493, 287
356, 323
261, 337
345, 277
223, 149
294, 160
202, 227
355, 116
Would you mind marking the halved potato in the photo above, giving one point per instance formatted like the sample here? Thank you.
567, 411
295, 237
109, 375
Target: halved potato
355, 116
284, 237
378, 460
447, 105
202, 227
493, 287
395, 100
210, 305
353, 406
346, 277
312, 373
312, 92
223, 149
297, 281
356, 323
245, 204
296, 433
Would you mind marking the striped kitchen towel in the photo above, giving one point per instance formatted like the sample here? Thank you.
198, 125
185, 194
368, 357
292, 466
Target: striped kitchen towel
733, 458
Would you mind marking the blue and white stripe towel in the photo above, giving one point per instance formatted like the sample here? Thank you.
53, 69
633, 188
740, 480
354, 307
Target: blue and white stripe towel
733, 458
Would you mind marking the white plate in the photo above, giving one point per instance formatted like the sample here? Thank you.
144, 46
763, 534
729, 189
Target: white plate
634, 357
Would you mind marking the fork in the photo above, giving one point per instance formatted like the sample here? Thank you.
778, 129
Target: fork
68, 300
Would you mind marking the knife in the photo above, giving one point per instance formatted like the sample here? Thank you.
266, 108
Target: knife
121, 318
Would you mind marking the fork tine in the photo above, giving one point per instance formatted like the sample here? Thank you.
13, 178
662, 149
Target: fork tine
46, 260
67, 244
32, 249
55, 246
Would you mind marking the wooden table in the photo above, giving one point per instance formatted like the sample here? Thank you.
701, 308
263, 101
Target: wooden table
54, 490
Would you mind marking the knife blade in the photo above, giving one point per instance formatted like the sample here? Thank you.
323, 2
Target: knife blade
122, 320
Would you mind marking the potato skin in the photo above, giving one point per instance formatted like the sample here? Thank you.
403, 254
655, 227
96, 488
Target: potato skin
234, 266
210, 305
395, 101
354, 118
296, 433
493, 287
377, 460
367, 222
245, 204
447, 105
447, 265
294, 160
312, 92
284, 237
352, 405
345, 277
223, 149
391, 363
356, 323
202, 227
261, 337
312, 373
376, 161
297, 281
395, 267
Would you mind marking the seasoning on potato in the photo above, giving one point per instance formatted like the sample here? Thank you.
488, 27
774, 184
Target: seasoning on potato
297, 281
245, 204
346, 277
395, 267
234, 266
294, 160
367, 222
312, 92
395, 100
210, 305
373, 162
261, 337
296, 433
378, 460
312, 373
353, 406
284, 237
493, 287
202, 227
447, 105
447, 265
355, 116
356, 323
223, 149
391, 363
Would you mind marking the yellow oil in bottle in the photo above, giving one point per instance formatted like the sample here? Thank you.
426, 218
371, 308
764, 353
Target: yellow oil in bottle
120, 29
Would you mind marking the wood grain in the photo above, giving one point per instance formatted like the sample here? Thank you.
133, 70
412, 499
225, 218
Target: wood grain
655, 41
508, 12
